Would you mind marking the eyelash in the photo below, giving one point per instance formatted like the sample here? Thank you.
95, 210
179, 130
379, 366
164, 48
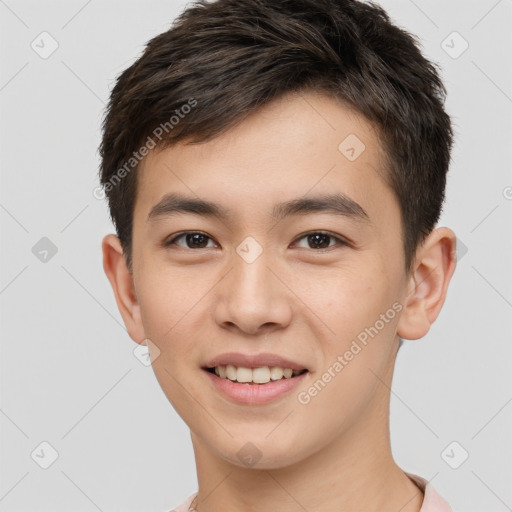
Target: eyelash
341, 241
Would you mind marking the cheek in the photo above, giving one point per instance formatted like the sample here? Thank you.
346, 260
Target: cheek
356, 314
355, 359
345, 300
163, 303
173, 312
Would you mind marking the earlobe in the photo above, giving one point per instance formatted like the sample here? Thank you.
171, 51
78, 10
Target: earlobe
428, 285
121, 280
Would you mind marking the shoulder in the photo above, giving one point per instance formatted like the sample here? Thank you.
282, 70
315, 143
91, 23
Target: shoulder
432, 500
184, 506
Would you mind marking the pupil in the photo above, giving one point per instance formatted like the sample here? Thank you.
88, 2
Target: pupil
316, 240
195, 237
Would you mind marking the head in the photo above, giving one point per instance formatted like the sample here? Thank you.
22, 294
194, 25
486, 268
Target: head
249, 105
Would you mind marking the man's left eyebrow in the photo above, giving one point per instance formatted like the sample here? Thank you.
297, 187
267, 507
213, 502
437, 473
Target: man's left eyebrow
337, 204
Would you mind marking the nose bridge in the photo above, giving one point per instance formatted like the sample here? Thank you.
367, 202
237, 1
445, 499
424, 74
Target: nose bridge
251, 278
251, 295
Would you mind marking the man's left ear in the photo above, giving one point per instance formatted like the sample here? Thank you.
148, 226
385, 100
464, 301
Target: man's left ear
434, 266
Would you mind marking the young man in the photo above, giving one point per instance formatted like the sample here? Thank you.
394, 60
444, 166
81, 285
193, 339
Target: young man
275, 172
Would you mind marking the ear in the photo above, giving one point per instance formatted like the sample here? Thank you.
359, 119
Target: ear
434, 266
122, 284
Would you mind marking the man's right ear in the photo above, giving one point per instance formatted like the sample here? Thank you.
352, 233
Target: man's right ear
122, 284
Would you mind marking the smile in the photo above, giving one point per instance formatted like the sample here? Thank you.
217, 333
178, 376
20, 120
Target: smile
250, 391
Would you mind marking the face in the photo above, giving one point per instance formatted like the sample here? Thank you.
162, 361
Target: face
321, 284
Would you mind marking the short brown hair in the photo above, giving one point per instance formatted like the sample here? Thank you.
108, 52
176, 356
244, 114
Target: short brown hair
225, 59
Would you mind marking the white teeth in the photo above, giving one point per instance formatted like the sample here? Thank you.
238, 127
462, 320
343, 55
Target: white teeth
243, 374
276, 373
231, 372
260, 375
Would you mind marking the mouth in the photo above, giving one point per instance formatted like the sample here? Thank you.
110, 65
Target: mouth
254, 376
255, 379
254, 386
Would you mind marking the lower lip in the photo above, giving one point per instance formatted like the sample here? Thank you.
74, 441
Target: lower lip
254, 394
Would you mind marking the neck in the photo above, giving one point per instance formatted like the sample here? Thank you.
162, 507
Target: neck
354, 472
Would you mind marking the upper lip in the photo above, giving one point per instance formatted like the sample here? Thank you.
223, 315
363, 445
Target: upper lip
254, 361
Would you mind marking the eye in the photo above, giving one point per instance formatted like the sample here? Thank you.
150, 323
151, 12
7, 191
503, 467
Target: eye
196, 239
320, 240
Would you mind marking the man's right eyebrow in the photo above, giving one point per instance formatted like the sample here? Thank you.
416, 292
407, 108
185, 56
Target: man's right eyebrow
172, 204
335, 204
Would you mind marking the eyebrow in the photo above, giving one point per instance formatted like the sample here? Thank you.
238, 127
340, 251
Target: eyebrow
336, 204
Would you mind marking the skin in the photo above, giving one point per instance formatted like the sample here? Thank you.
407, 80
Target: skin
333, 453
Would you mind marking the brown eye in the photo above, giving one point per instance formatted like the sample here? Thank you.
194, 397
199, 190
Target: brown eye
321, 240
193, 240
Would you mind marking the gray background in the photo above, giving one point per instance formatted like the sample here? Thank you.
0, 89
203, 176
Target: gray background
69, 375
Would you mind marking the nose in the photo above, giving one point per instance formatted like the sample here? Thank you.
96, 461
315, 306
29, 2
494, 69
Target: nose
252, 297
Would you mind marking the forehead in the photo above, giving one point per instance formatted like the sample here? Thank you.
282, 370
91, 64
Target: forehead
297, 146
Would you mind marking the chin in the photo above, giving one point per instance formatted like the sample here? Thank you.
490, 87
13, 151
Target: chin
261, 453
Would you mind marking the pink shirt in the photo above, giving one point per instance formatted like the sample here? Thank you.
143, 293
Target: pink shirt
432, 501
